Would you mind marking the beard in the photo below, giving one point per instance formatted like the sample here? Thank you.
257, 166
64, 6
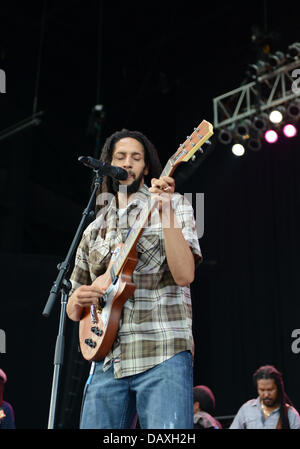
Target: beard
131, 188
269, 402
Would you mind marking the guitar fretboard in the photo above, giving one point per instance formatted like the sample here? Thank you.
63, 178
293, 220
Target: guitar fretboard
137, 229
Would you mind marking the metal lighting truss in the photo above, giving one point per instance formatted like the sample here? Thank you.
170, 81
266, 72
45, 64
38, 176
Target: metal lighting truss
267, 91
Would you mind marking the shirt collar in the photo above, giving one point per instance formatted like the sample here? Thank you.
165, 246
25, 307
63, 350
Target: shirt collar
258, 404
139, 199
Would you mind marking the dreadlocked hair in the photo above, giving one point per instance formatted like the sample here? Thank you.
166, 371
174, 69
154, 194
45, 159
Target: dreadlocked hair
205, 397
1, 390
151, 158
270, 372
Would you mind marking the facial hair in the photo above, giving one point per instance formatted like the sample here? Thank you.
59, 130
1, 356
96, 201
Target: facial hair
269, 402
131, 188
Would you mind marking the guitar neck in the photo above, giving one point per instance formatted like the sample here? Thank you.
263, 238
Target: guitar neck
138, 228
168, 170
133, 237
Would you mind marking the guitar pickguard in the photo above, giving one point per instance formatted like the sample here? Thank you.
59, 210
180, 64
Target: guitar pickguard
104, 312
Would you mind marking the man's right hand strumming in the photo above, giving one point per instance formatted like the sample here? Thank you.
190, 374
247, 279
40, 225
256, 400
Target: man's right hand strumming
83, 296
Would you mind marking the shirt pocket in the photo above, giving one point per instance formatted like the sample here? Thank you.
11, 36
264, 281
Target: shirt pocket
252, 423
150, 256
99, 258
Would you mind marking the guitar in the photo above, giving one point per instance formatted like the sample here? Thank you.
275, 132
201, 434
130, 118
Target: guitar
99, 325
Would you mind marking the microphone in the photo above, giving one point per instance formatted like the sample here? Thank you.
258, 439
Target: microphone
106, 169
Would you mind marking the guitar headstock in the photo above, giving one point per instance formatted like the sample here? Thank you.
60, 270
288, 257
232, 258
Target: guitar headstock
192, 143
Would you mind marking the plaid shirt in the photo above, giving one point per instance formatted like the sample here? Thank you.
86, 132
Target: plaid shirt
156, 322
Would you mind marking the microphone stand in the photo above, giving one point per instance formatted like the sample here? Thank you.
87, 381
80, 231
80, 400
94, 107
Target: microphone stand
33, 120
63, 285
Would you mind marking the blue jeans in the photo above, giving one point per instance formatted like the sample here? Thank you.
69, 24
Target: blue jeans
161, 396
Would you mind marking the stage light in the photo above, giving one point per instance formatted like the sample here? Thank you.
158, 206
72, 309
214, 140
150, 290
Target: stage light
243, 128
225, 136
257, 69
277, 59
254, 144
289, 130
293, 109
276, 115
238, 149
293, 51
260, 123
271, 136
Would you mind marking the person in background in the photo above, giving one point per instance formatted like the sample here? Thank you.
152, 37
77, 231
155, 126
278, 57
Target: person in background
204, 406
272, 409
7, 416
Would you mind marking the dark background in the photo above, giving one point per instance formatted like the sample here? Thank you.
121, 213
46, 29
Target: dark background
155, 67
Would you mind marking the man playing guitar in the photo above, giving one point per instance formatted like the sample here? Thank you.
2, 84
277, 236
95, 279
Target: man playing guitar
148, 369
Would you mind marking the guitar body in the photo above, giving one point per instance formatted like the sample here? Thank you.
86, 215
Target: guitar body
99, 326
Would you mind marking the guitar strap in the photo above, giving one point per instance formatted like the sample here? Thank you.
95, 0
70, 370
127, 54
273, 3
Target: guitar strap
278, 426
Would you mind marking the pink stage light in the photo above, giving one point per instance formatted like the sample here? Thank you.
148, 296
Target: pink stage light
289, 130
271, 136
